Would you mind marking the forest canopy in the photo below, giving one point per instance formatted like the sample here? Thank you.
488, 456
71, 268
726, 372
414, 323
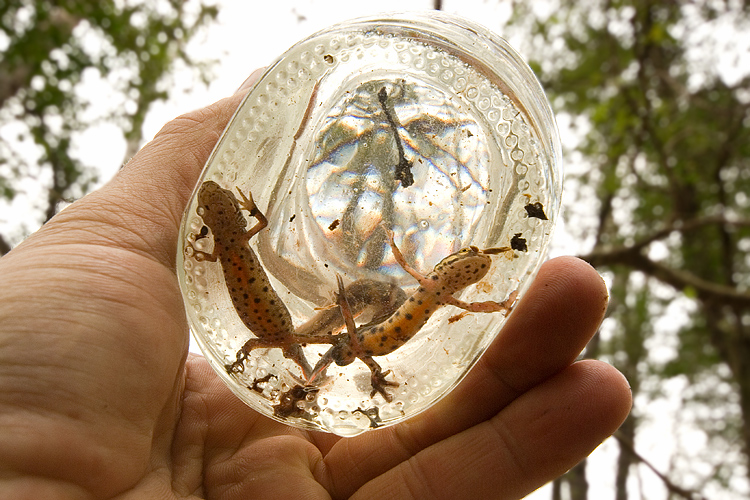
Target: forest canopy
658, 96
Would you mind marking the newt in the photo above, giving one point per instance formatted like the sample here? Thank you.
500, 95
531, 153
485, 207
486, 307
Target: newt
259, 306
436, 289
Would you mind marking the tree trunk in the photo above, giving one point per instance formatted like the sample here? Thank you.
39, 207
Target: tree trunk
731, 338
557, 489
625, 459
579, 486
575, 478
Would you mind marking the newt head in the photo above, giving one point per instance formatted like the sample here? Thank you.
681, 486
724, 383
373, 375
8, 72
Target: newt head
461, 269
219, 208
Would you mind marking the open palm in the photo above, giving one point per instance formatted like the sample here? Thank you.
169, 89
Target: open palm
99, 398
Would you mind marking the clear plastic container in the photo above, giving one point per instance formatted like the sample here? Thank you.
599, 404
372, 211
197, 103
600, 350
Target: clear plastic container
421, 125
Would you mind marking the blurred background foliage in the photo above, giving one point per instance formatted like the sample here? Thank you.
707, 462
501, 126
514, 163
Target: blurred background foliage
658, 97
54, 54
654, 99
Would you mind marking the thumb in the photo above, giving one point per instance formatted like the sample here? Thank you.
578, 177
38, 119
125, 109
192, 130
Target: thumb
141, 207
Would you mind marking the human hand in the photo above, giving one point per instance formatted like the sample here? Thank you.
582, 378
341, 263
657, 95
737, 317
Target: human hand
99, 397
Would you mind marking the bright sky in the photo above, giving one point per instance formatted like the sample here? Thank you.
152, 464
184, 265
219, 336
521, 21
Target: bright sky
252, 34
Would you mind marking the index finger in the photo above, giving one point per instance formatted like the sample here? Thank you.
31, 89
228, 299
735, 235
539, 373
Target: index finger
549, 328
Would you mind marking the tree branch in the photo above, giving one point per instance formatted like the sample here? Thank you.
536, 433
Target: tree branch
4, 246
680, 280
673, 488
691, 225
633, 256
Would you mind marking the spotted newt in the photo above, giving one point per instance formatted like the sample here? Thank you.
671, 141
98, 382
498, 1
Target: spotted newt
258, 305
436, 289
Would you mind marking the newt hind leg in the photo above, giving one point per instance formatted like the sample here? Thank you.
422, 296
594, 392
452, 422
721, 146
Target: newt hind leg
377, 379
377, 375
